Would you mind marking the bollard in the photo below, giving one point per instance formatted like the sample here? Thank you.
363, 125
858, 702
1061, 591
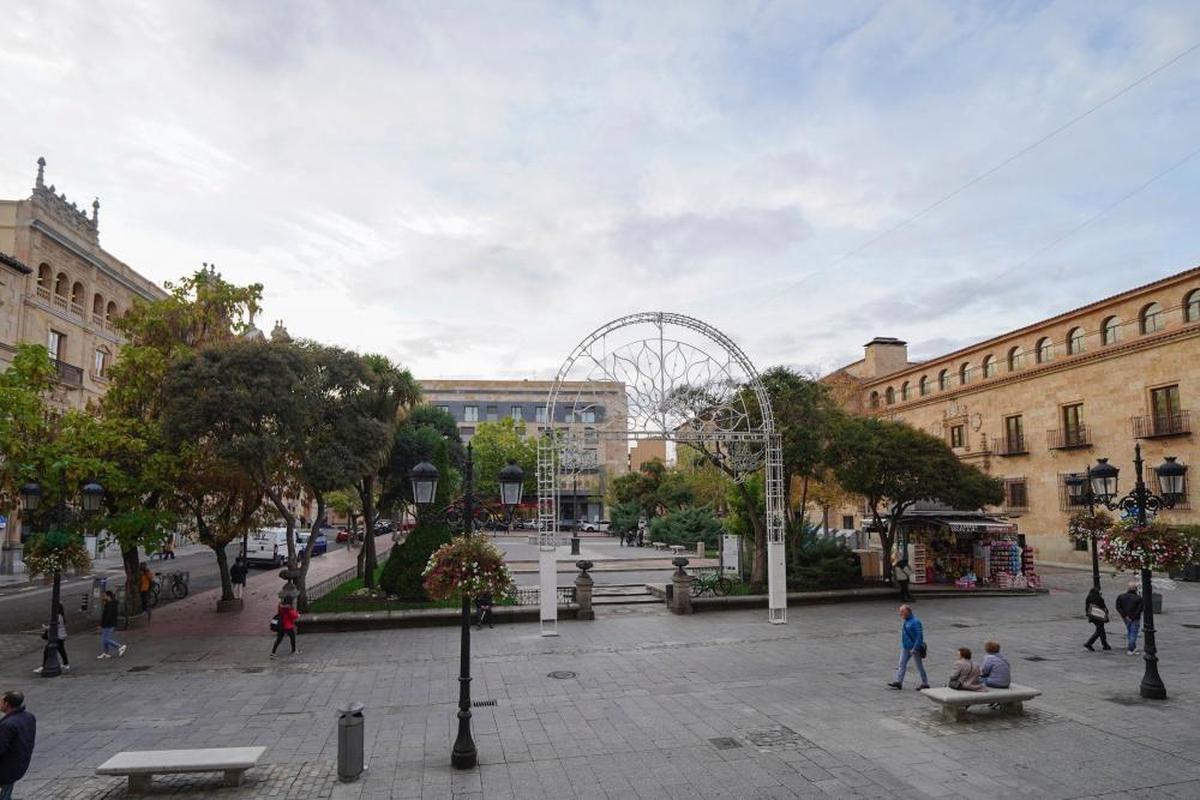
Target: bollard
574, 545
583, 591
699, 549
350, 742
681, 596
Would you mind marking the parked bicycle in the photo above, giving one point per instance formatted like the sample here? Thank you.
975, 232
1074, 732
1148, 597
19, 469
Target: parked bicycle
176, 586
711, 581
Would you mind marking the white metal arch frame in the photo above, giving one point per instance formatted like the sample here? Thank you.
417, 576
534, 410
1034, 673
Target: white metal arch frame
677, 390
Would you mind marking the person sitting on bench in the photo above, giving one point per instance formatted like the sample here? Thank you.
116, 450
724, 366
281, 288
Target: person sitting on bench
995, 670
966, 673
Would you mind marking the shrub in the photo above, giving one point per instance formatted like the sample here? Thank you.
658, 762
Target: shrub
818, 563
686, 527
401, 574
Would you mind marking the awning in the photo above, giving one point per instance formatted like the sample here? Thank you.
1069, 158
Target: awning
979, 526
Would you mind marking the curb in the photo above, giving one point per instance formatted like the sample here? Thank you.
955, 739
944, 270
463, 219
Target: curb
345, 621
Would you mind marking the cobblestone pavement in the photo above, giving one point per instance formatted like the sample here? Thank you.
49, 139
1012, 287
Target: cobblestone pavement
719, 705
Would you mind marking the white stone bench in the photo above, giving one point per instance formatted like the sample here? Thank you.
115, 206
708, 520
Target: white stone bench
142, 765
659, 545
677, 549
954, 702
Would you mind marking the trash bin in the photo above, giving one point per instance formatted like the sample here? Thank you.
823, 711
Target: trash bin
350, 742
96, 597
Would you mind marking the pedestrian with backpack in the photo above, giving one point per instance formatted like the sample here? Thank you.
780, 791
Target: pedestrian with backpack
284, 624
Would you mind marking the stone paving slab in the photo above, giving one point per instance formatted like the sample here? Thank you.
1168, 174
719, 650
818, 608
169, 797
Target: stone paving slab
713, 705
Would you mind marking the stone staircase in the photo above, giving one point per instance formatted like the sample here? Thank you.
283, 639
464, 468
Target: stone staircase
622, 594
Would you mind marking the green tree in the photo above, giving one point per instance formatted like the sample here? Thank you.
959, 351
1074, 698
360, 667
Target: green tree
893, 466
655, 489
494, 445
686, 526
416, 439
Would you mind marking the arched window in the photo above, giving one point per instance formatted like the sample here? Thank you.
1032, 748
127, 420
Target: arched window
77, 296
1074, 341
989, 367
1044, 352
61, 284
943, 380
1152, 319
874, 399
98, 306
1109, 329
45, 276
964, 374
923, 386
890, 396
904, 393
1015, 359
1191, 306
110, 313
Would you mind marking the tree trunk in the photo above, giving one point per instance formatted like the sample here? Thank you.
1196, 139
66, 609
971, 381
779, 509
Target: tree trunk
223, 568
825, 519
758, 571
803, 502
302, 581
289, 520
131, 562
369, 559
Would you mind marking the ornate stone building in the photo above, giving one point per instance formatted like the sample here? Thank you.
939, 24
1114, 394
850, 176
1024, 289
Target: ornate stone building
1037, 404
60, 288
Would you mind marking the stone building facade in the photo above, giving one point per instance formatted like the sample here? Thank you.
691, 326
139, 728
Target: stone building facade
591, 412
1037, 404
61, 289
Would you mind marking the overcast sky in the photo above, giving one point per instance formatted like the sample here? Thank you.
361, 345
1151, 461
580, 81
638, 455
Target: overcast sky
472, 188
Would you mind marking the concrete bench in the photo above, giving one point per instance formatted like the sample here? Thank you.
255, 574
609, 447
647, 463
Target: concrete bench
954, 702
142, 765
677, 549
659, 545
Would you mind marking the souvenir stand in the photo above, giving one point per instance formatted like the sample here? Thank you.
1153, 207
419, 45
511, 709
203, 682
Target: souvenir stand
967, 551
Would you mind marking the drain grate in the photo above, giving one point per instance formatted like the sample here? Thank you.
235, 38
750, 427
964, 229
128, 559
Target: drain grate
482, 703
562, 674
252, 670
959, 625
1191, 625
725, 743
1034, 658
138, 669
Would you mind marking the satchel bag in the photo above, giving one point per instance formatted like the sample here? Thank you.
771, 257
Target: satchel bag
955, 683
275, 624
1097, 614
922, 649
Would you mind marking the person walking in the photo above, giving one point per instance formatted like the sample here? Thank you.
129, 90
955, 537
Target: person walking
18, 731
902, 574
60, 618
108, 624
912, 646
1096, 611
237, 576
169, 548
1129, 606
145, 581
287, 616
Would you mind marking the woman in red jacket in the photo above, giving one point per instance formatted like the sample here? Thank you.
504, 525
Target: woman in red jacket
287, 627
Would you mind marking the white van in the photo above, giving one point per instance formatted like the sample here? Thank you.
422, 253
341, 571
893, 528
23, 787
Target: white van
267, 546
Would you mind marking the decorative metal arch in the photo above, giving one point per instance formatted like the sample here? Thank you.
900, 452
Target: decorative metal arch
678, 388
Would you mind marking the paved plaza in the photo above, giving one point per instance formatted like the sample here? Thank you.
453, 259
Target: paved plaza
720, 704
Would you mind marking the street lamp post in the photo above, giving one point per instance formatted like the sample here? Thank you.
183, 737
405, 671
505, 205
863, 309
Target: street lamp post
91, 494
1079, 492
1141, 502
424, 478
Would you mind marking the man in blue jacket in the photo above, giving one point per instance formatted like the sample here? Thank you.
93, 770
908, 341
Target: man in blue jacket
17, 731
912, 645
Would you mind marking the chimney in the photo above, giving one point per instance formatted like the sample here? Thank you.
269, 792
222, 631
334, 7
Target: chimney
883, 355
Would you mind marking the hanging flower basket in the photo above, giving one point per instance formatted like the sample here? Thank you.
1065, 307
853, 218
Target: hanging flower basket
55, 552
1153, 546
470, 566
1083, 526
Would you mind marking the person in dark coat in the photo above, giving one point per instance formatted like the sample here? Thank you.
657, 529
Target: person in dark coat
1129, 606
1093, 605
237, 576
108, 624
18, 729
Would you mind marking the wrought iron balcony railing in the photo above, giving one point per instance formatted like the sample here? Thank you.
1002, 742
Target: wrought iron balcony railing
1069, 438
1153, 426
68, 374
1010, 445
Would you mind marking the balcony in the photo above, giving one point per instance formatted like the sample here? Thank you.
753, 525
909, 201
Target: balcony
68, 374
1069, 438
1157, 426
1010, 445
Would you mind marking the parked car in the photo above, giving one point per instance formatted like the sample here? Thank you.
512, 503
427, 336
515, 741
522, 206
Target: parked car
320, 546
343, 535
267, 546
594, 525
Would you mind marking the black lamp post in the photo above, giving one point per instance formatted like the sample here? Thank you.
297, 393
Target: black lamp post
91, 495
424, 477
1140, 502
1079, 492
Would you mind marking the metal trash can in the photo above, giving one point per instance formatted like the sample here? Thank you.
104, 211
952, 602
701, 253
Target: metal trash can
350, 742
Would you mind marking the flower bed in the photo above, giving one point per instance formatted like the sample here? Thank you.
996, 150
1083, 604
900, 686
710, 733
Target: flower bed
1154, 546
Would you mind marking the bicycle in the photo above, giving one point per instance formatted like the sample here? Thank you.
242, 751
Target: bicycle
177, 586
711, 581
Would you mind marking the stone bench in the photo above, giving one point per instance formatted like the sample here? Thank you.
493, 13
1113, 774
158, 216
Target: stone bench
677, 549
142, 765
659, 545
954, 702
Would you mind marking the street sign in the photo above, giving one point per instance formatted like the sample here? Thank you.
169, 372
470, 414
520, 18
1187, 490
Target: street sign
731, 553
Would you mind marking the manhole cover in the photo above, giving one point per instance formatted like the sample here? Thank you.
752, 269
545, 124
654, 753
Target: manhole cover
725, 743
138, 669
562, 674
482, 703
1034, 658
774, 736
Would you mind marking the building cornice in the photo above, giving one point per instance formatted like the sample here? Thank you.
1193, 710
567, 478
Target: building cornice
98, 263
1189, 331
58, 313
13, 263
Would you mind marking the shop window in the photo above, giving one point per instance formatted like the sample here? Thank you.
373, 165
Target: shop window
1075, 341
958, 435
1152, 319
471, 413
1191, 305
1044, 352
943, 380
989, 367
1109, 330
